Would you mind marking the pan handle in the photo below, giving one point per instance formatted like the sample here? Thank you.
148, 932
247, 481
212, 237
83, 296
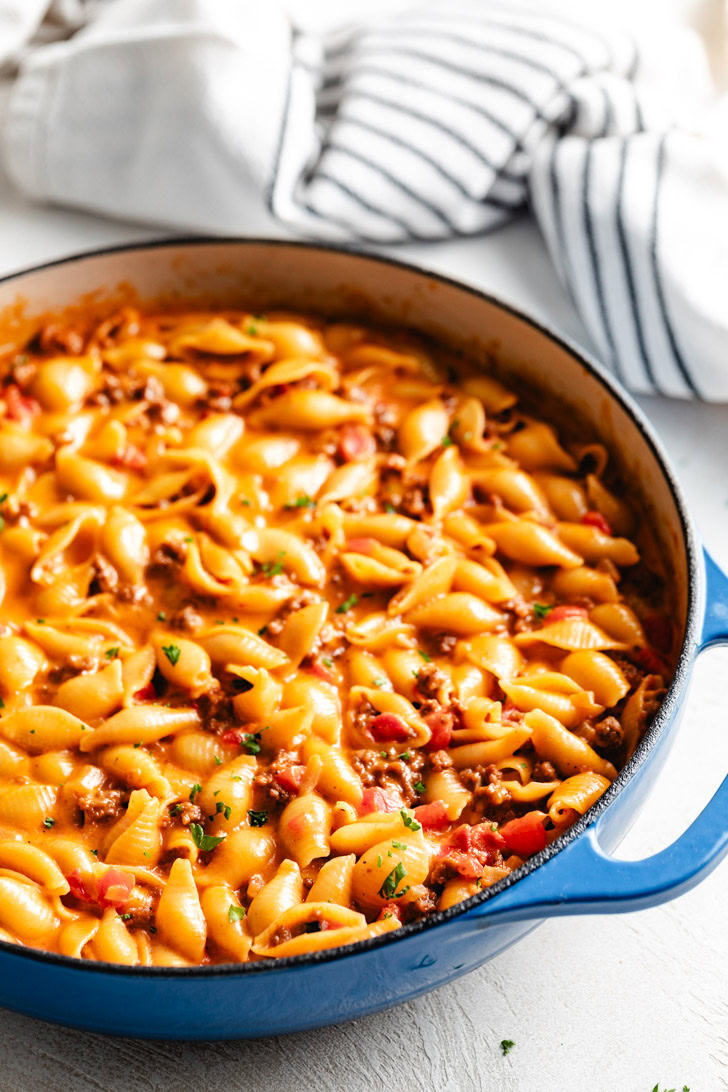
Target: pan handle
583, 879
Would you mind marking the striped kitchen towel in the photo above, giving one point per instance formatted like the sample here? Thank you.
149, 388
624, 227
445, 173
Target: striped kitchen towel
438, 121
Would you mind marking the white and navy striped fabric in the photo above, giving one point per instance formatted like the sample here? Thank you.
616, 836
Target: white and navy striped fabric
440, 121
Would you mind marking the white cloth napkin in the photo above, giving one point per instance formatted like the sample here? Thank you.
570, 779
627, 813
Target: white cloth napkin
217, 116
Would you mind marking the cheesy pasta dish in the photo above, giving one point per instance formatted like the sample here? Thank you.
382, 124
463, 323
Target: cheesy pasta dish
306, 631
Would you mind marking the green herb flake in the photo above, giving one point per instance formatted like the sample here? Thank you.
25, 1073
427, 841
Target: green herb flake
382, 754
419, 786
3, 498
111, 653
235, 913
406, 756
250, 742
2, 704
162, 616
218, 760
189, 538
348, 604
388, 890
245, 502
138, 745
425, 657
262, 631
147, 853
258, 818
274, 568
304, 501
379, 861
252, 331
408, 821
327, 661
203, 841
197, 787
379, 683
172, 653
398, 845
176, 810
95, 852
389, 509
235, 777
446, 441
48, 823
125, 917
223, 809
541, 610
506, 1045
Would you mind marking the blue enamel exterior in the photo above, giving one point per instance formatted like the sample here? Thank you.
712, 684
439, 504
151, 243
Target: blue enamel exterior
574, 875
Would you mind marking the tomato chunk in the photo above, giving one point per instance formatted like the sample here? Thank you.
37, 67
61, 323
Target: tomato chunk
441, 726
147, 693
564, 611
78, 886
481, 838
432, 816
526, 835
649, 659
389, 728
114, 889
19, 406
131, 457
596, 519
376, 799
290, 778
356, 442
234, 735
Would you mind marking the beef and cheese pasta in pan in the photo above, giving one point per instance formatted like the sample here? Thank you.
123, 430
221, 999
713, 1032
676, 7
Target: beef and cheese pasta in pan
305, 633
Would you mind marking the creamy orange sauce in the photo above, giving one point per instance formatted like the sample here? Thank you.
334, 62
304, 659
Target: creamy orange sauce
305, 633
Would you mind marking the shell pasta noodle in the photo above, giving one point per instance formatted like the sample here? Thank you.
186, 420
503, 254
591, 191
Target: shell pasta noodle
307, 630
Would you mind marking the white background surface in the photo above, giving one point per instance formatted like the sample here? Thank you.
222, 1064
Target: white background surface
594, 1004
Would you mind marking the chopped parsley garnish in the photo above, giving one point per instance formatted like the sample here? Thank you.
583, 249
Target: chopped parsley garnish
2, 704
3, 498
111, 653
406, 756
218, 760
235, 913
327, 661
446, 441
409, 821
125, 917
274, 568
162, 616
389, 509
388, 890
252, 331
425, 657
506, 1045
398, 845
197, 787
541, 610
347, 604
262, 631
203, 841
176, 810
304, 501
379, 683
223, 809
382, 754
250, 742
419, 786
258, 818
172, 653
246, 503
379, 861
49, 822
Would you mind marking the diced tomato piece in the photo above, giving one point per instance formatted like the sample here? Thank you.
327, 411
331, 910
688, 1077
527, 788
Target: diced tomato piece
658, 628
147, 693
467, 865
114, 889
290, 778
525, 836
432, 816
131, 457
19, 406
376, 799
79, 890
441, 726
389, 728
390, 910
361, 545
564, 611
480, 838
321, 672
234, 735
651, 662
356, 442
596, 519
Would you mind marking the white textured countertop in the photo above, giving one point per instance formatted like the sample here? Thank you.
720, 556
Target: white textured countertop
604, 1004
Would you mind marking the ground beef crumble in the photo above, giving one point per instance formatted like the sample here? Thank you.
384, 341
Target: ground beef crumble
390, 772
99, 805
